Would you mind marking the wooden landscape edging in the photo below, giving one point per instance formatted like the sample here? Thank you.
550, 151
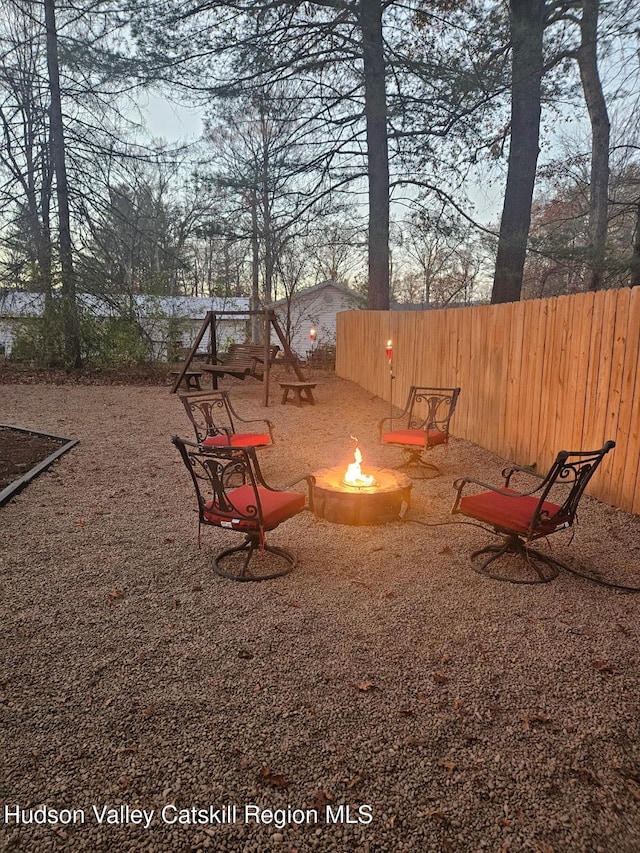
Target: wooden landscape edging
16, 486
537, 376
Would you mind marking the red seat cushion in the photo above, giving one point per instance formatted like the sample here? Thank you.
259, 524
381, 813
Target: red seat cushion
510, 514
250, 439
221, 440
276, 507
415, 437
239, 439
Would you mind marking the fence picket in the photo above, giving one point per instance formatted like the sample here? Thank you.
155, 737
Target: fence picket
536, 376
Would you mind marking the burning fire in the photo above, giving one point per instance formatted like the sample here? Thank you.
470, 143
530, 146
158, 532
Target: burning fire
354, 475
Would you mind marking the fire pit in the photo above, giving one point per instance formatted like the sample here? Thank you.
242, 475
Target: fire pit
351, 497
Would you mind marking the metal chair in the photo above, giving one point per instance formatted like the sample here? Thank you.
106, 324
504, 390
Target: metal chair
523, 517
418, 429
217, 424
233, 495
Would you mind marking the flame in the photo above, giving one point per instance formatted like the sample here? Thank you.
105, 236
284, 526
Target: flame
354, 475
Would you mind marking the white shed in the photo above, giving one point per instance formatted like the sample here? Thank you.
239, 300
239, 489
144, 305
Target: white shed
315, 307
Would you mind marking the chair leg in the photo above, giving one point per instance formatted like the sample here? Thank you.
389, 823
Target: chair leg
284, 563
415, 458
526, 558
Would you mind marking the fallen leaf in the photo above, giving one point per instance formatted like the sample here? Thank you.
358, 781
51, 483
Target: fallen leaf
196, 587
448, 765
274, 780
457, 703
446, 550
634, 790
80, 523
586, 775
108, 702
503, 821
446, 657
245, 655
148, 711
366, 686
529, 719
169, 539
115, 594
407, 712
439, 678
436, 815
415, 741
355, 781
603, 666
319, 800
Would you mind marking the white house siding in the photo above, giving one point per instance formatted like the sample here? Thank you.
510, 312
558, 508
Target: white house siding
167, 321
316, 307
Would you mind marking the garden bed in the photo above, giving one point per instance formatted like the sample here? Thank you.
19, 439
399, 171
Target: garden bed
25, 453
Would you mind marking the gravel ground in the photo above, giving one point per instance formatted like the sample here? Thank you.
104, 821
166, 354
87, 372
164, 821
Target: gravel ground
383, 688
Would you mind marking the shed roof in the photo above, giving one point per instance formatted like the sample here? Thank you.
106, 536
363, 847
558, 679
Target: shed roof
317, 288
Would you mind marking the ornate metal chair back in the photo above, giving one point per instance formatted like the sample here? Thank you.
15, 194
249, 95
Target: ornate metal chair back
572, 468
210, 414
440, 405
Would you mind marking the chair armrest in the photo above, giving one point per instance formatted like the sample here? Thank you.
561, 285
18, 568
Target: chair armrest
500, 490
390, 419
269, 423
507, 473
310, 480
184, 441
236, 416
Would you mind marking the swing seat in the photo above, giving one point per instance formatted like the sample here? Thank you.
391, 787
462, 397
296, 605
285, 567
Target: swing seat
240, 361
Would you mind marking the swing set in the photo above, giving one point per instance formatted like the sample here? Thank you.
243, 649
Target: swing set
242, 359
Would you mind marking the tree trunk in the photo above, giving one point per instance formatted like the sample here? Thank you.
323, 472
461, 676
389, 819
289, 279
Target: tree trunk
600, 127
71, 325
527, 29
375, 105
255, 270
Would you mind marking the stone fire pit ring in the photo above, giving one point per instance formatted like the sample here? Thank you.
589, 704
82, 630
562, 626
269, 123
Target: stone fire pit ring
383, 503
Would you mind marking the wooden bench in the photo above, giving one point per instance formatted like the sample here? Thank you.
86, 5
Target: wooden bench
191, 378
240, 361
300, 391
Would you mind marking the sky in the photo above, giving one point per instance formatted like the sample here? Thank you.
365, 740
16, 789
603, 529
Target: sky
170, 121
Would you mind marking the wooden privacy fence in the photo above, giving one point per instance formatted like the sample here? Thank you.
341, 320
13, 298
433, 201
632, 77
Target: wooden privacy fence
536, 377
